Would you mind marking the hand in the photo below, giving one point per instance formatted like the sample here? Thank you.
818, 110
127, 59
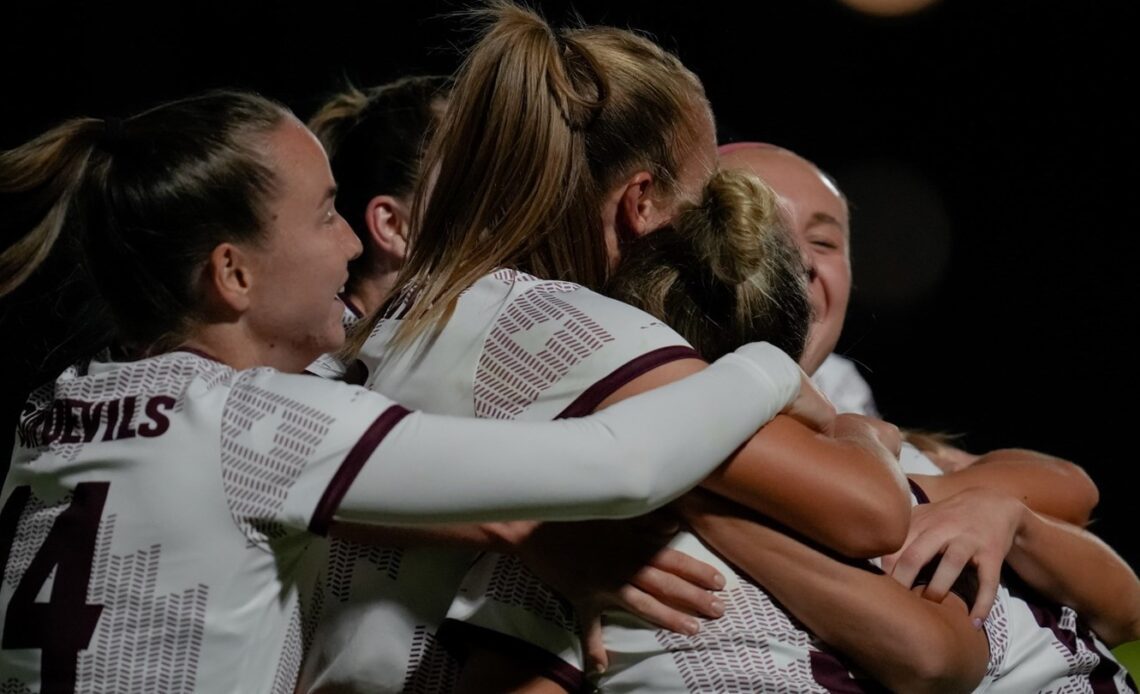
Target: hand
626, 565
811, 407
974, 527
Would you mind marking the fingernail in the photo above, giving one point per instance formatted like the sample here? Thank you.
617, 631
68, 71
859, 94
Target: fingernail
692, 627
718, 581
599, 669
977, 623
717, 606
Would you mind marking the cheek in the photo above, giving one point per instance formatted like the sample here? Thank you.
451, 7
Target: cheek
835, 280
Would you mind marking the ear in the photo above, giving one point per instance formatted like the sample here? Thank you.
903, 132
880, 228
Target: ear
229, 278
387, 221
637, 212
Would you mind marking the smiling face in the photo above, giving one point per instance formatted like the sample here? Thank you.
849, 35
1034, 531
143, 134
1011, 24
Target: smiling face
818, 216
301, 264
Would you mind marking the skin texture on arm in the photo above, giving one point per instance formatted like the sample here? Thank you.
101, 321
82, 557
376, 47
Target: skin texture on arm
842, 489
1078, 569
904, 641
974, 516
1062, 561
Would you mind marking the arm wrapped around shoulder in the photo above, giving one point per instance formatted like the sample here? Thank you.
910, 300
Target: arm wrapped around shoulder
622, 461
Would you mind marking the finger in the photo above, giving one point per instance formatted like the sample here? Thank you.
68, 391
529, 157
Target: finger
678, 593
642, 604
688, 569
987, 593
949, 568
914, 556
597, 659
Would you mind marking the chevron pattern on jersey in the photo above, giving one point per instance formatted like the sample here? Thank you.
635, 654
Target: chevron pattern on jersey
344, 558
511, 375
431, 667
512, 583
144, 379
160, 636
257, 477
997, 632
754, 647
285, 679
14, 687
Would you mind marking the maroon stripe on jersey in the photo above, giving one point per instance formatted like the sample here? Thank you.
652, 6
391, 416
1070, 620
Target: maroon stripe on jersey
830, 672
459, 637
351, 466
919, 492
352, 308
198, 353
589, 400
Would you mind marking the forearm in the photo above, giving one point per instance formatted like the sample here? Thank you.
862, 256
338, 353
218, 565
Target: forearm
846, 493
905, 642
1044, 483
626, 460
1074, 567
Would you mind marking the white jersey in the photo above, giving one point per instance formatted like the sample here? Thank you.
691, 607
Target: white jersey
841, 382
756, 645
189, 489
515, 348
154, 516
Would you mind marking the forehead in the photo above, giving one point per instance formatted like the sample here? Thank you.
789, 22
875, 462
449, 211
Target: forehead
794, 179
298, 159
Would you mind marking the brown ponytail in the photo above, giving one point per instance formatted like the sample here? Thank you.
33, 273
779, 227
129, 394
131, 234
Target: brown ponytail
540, 125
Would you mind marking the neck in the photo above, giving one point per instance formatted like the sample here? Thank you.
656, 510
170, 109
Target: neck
233, 345
370, 293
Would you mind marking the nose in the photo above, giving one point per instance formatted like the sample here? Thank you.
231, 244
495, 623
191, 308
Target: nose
351, 241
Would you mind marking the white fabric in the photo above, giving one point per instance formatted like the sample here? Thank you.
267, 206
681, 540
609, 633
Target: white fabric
841, 382
515, 348
197, 486
757, 646
211, 479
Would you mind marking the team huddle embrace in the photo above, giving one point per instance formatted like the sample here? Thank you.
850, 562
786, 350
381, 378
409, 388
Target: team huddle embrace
509, 380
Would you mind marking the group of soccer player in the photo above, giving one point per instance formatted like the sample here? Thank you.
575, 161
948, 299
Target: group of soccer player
508, 380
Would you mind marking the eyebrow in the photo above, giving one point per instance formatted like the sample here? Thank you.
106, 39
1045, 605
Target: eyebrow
329, 194
818, 218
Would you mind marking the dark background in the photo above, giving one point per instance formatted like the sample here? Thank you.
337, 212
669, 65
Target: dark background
987, 147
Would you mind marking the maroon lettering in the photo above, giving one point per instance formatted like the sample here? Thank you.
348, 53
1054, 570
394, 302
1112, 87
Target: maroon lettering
159, 422
56, 421
90, 416
71, 422
112, 420
126, 431
62, 626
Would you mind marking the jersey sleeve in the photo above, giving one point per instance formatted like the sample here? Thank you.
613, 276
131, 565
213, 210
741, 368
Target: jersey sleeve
622, 461
291, 445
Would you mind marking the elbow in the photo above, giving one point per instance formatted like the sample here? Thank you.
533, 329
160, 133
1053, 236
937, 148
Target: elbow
636, 489
1087, 494
939, 669
879, 527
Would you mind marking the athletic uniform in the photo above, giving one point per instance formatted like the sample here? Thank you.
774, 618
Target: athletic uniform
756, 645
155, 513
841, 382
516, 347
